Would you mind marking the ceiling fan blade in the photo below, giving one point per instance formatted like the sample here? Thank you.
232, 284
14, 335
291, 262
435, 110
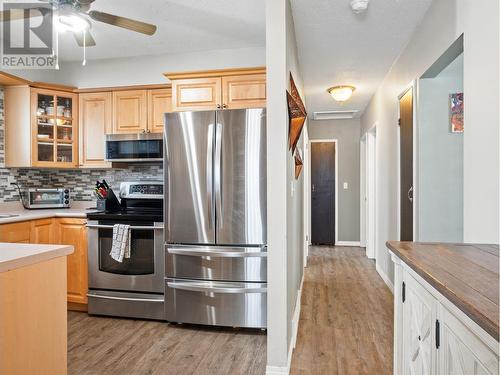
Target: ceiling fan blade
126, 23
89, 39
19, 14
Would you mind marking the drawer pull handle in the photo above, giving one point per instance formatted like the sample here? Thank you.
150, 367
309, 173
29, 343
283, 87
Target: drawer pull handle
214, 289
218, 254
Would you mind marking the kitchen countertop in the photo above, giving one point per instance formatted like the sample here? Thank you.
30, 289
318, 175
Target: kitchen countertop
17, 255
466, 274
77, 210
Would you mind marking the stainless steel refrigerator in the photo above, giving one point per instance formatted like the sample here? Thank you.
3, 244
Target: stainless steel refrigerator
215, 217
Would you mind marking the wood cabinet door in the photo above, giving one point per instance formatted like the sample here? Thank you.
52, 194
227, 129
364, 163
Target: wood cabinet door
15, 232
130, 111
159, 103
419, 317
461, 352
54, 131
42, 231
244, 91
95, 123
74, 232
196, 94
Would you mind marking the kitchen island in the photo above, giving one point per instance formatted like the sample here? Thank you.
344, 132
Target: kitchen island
446, 301
33, 317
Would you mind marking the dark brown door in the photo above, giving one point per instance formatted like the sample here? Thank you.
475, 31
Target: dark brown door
406, 164
323, 193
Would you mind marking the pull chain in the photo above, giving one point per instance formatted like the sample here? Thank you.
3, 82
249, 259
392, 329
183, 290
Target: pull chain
84, 62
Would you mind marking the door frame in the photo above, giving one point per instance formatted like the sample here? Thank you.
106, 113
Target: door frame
413, 85
368, 191
336, 155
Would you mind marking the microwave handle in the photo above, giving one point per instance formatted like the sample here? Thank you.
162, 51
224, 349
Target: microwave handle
99, 226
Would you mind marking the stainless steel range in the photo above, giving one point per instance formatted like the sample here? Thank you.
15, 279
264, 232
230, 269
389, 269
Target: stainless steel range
133, 288
216, 253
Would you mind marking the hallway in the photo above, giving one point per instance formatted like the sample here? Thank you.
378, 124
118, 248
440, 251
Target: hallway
346, 316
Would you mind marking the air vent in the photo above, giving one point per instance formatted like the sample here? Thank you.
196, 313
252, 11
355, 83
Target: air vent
334, 115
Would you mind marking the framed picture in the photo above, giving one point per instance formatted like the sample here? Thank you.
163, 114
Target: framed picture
457, 112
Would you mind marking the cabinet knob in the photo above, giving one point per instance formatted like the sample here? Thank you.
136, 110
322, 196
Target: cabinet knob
143, 130
148, 131
224, 106
218, 106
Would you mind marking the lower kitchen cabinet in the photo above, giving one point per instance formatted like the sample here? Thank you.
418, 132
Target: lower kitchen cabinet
16, 232
74, 232
64, 231
432, 336
42, 231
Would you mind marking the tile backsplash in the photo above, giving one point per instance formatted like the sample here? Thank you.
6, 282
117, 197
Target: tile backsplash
79, 181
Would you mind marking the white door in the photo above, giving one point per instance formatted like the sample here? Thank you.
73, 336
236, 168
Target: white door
461, 352
419, 319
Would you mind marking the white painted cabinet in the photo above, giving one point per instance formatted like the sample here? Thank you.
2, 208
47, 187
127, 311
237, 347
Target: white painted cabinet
432, 336
461, 352
419, 317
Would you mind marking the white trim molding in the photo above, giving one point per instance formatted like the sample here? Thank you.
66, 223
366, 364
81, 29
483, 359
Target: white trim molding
348, 243
386, 279
285, 370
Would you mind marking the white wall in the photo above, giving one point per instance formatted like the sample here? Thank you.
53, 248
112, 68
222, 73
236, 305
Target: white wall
444, 22
284, 193
441, 177
347, 134
145, 69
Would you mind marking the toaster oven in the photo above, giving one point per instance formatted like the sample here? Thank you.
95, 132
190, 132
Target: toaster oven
48, 198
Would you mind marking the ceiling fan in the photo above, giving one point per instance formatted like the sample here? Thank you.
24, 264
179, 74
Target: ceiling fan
74, 15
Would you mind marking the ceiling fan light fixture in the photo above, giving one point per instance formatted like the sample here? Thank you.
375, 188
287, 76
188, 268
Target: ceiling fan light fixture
341, 93
72, 22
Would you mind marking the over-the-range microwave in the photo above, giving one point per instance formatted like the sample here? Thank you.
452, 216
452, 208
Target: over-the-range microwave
142, 147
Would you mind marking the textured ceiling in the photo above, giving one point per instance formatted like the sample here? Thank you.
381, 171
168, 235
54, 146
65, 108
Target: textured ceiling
183, 26
338, 47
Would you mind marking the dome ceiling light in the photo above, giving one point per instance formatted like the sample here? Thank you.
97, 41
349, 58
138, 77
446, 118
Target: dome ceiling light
341, 93
359, 6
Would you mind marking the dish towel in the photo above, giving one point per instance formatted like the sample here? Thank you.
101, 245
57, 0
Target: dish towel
121, 242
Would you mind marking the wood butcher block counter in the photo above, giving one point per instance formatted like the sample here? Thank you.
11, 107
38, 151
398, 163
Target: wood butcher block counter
33, 309
466, 274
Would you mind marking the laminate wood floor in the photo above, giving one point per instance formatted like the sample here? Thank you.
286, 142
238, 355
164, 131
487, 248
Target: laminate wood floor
101, 345
346, 320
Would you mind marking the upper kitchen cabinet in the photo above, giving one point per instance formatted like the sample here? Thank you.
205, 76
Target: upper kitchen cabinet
218, 89
95, 122
41, 127
244, 91
159, 103
196, 94
130, 111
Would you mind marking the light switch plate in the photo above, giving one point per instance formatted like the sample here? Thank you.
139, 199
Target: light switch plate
346, 186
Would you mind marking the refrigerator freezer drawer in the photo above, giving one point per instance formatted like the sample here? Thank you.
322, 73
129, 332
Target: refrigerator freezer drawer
229, 304
216, 263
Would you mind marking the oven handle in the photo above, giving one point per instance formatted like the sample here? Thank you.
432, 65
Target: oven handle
214, 289
215, 253
131, 227
126, 298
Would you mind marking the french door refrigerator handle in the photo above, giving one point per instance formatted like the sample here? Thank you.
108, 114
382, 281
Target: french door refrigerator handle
210, 181
218, 175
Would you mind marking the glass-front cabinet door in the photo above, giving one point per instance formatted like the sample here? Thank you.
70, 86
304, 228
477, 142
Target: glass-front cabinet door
54, 128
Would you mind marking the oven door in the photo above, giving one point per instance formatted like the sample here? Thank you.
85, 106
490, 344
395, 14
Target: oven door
142, 272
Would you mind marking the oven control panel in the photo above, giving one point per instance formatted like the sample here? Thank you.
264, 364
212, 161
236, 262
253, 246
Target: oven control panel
148, 190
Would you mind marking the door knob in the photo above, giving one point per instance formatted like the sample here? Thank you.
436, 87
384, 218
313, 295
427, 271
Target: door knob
410, 194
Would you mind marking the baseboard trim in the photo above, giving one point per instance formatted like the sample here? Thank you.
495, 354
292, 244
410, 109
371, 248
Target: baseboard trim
386, 279
285, 370
347, 243
277, 370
